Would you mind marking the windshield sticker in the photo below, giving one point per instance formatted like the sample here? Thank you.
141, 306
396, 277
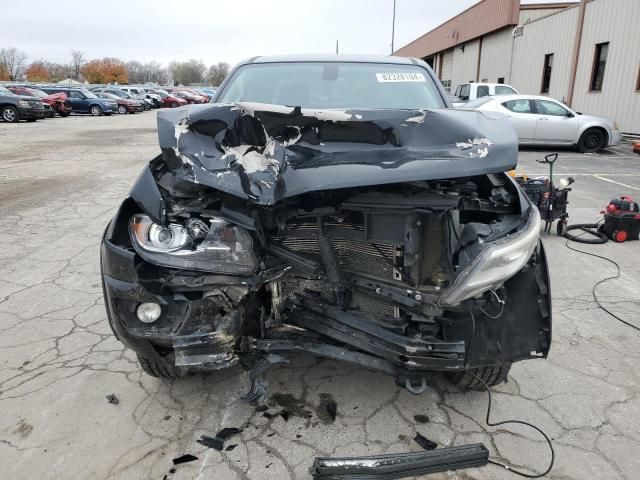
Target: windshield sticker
400, 77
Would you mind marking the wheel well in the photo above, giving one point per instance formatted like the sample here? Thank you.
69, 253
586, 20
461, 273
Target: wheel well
2, 105
604, 132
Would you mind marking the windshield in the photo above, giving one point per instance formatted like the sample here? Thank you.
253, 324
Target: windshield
88, 94
35, 93
504, 90
119, 93
4, 91
334, 85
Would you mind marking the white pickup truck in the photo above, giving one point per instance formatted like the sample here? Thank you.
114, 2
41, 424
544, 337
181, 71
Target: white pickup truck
470, 91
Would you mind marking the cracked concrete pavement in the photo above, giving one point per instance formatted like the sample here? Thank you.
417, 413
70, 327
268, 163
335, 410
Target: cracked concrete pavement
61, 180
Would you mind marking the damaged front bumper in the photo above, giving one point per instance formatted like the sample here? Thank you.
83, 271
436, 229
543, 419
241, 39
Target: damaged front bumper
400, 264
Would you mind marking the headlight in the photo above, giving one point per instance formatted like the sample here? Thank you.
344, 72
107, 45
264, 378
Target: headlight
23, 103
496, 263
218, 247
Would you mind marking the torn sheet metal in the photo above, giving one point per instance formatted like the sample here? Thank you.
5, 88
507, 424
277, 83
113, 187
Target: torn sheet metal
265, 153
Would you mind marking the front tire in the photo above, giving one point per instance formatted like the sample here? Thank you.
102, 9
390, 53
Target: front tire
95, 110
593, 140
10, 114
174, 104
156, 369
122, 109
492, 376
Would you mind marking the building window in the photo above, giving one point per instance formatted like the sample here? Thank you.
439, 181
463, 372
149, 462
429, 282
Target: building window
546, 73
447, 85
599, 62
500, 79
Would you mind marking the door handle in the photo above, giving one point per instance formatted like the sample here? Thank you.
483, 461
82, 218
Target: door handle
543, 118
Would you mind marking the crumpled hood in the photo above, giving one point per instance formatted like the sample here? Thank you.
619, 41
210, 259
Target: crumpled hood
265, 153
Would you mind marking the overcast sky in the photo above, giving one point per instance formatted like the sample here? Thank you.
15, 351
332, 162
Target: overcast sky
217, 30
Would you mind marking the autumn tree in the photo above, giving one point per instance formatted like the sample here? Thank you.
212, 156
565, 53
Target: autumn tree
217, 73
37, 72
12, 62
106, 70
4, 75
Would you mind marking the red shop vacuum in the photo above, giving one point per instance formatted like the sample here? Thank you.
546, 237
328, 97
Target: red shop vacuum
621, 220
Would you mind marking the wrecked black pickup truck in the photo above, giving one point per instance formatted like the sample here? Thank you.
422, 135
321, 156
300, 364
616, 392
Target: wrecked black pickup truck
336, 206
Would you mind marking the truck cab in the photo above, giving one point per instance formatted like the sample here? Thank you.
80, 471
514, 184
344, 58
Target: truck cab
470, 91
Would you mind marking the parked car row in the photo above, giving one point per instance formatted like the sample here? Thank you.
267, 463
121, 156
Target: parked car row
36, 101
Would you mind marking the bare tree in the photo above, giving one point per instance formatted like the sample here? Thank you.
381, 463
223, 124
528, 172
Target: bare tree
217, 73
186, 73
58, 71
77, 60
13, 62
135, 71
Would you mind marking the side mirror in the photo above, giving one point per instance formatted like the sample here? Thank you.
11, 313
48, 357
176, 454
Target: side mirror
570, 115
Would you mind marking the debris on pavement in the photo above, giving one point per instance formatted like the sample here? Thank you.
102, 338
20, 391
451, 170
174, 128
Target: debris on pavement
424, 442
111, 398
328, 408
217, 442
211, 442
184, 459
400, 465
421, 418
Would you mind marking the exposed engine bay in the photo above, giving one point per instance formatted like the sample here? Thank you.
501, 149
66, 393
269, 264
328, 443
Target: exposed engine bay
405, 271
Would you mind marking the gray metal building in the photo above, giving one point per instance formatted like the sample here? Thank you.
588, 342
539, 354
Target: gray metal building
586, 54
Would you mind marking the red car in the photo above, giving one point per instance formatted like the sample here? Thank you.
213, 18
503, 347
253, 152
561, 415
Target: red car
195, 93
57, 101
125, 105
188, 96
169, 100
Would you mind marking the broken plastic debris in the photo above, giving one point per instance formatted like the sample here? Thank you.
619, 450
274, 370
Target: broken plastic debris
184, 459
111, 398
424, 442
231, 447
217, 442
211, 442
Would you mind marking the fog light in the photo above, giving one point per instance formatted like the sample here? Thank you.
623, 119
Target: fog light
148, 312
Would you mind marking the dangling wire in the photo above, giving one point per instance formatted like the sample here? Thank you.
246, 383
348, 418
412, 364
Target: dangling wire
519, 422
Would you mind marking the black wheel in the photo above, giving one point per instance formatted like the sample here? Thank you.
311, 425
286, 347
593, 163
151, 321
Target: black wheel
561, 227
122, 109
10, 114
158, 370
592, 140
492, 376
174, 104
95, 110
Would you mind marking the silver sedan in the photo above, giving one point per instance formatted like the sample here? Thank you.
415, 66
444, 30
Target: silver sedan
545, 121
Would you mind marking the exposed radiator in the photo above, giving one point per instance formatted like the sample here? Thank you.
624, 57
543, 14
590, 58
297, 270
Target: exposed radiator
353, 255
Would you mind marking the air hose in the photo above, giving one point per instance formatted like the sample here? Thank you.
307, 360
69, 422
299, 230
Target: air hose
596, 236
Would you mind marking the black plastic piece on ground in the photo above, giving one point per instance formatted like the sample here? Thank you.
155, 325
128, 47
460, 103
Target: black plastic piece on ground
184, 459
400, 465
111, 398
211, 442
424, 442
